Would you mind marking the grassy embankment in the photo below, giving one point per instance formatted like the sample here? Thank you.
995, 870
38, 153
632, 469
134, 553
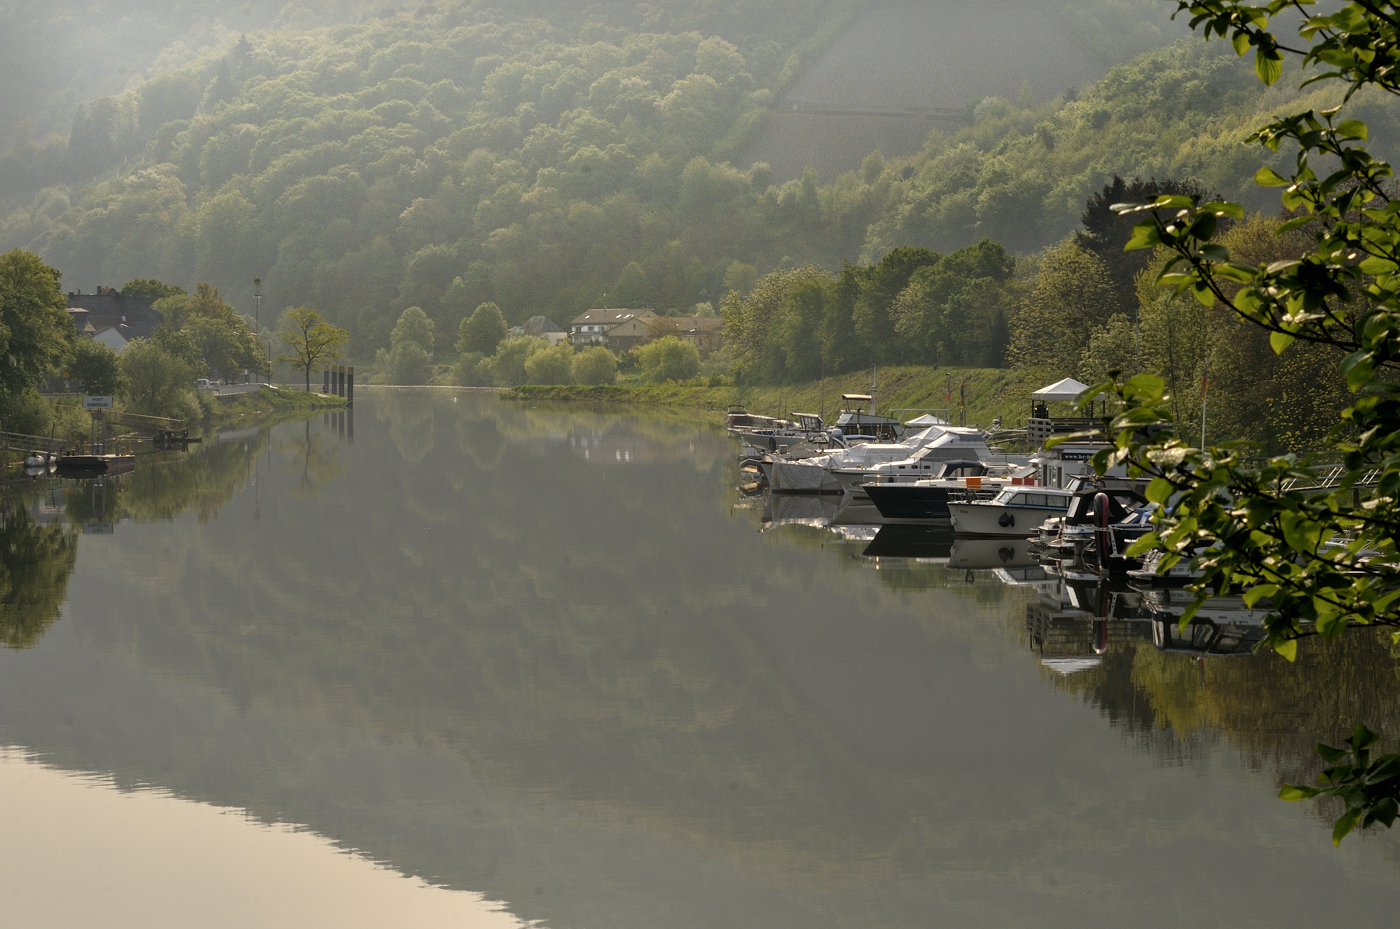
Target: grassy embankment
990, 392
267, 400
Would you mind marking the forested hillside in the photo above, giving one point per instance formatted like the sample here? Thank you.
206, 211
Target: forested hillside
549, 156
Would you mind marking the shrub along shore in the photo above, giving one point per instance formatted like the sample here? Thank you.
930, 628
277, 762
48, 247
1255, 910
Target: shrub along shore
978, 395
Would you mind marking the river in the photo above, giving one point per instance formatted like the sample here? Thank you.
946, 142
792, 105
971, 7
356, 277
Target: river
448, 661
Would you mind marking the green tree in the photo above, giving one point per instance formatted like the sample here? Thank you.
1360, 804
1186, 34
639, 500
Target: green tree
224, 348
740, 278
95, 369
595, 365
482, 331
508, 364
151, 290
553, 365
413, 326
1070, 298
877, 288
405, 364
36, 333
1321, 558
311, 339
157, 382
668, 359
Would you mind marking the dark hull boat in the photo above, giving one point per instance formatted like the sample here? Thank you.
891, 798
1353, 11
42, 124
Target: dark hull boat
87, 465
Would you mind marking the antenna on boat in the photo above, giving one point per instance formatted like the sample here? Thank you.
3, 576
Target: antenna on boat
874, 370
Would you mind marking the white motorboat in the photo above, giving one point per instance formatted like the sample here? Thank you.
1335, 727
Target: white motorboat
1179, 574
844, 470
1014, 513
760, 435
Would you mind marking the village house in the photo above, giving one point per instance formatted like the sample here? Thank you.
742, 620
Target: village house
542, 327
595, 326
111, 317
706, 333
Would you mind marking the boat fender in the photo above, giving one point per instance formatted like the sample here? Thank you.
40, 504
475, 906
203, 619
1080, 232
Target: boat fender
1007, 519
772, 443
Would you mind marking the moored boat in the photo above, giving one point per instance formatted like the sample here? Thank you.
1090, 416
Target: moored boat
1015, 512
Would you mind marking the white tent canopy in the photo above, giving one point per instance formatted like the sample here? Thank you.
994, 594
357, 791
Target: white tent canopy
928, 419
1065, 389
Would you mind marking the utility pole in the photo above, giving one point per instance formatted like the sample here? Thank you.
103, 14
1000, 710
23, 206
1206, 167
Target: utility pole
257, 313
1205, 380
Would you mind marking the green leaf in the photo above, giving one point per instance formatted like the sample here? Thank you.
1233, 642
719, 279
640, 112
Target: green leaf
1159, 490
1223, 208
1358, 368
1352, 129
1330, 754
1240, 41
1144, 387
1145, 235
1288, 648
1268, 65
1278, 341
1344, 825
1293, 793
1143, 545
1258, 592
1268, 177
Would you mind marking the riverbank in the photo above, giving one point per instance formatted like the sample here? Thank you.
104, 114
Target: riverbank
972, 395
265, 402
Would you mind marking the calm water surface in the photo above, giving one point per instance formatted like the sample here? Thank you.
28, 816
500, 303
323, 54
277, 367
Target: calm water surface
462, 663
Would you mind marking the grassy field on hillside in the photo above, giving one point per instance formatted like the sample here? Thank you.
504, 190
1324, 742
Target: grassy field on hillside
989, 392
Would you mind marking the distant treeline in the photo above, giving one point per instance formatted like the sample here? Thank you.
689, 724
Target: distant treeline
554, 156
1080, 308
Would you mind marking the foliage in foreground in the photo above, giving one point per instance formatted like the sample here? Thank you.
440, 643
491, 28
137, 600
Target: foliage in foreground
1319, 549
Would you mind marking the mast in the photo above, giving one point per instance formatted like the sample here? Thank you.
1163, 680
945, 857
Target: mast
1205, 379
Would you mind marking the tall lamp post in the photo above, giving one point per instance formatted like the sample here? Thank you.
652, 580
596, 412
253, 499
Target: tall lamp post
257, 313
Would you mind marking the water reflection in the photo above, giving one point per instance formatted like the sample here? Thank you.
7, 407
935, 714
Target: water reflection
593, 689
37, 553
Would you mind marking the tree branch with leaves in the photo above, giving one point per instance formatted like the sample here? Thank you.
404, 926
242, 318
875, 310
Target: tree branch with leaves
1313, 539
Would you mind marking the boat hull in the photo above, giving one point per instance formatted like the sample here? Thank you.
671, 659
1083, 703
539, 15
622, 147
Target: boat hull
87, 465
996, 521
899, 503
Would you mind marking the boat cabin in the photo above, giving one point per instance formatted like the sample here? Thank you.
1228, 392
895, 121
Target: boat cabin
1034, 498
1204, 636
855, 423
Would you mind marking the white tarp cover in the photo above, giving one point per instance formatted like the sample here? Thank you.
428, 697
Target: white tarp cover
928, 419
1071, 665
1066, 389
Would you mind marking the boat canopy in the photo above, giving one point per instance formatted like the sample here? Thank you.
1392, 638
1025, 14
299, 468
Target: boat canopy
1065, 389
928, 419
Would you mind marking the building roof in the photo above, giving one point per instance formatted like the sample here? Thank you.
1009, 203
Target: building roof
539, 325
688, 325
606, 317
129, 315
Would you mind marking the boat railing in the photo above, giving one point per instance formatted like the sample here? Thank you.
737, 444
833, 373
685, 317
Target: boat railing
1038, 429
20, 442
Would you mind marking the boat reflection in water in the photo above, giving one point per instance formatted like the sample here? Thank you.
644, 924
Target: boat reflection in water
1076, 615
